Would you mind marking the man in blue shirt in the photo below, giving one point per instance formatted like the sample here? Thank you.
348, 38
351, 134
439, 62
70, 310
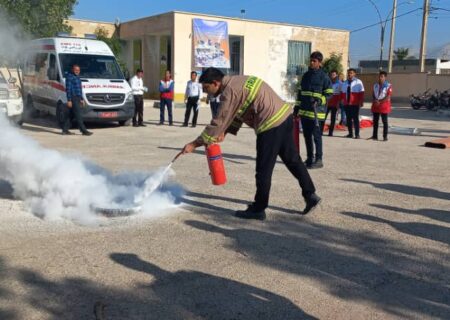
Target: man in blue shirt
75, 102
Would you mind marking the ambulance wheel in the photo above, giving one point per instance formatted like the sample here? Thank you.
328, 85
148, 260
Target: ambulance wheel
60, 115
30, 110
125, 123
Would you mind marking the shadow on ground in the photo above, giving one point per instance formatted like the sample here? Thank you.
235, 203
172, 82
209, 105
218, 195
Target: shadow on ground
183, 294
405, 189
356, 266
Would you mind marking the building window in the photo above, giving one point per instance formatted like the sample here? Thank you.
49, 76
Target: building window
298, 57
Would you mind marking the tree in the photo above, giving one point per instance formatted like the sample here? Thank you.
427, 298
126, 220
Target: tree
38, 18
333, 62
401, 53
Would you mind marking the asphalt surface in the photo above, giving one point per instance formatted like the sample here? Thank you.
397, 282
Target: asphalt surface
377, 248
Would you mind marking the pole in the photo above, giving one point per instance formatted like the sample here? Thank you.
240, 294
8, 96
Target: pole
381, 46
391, 40
423, 42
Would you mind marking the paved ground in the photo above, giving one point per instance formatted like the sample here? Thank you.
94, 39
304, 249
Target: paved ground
378, 248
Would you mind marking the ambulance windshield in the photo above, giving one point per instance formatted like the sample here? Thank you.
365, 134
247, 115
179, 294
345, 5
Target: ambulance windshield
92, 66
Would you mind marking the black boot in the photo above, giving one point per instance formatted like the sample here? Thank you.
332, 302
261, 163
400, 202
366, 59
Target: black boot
251, 213
311, 203
309, 163
317, 164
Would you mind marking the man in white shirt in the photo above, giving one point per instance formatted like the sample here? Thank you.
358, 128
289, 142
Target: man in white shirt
191, 98
138, 89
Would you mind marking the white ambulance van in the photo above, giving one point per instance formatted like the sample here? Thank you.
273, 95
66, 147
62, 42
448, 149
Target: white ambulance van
107, 94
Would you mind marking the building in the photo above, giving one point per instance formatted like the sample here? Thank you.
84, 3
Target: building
433, 66
275, 52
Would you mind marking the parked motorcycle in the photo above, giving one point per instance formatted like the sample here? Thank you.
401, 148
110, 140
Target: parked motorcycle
420, 100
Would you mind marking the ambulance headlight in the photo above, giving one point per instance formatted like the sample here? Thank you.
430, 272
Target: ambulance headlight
130, 98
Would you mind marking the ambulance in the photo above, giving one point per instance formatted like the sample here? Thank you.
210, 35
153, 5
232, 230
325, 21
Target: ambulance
106, 93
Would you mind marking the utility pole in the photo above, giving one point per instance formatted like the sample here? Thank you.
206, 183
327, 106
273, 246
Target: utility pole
423, 43
391, 41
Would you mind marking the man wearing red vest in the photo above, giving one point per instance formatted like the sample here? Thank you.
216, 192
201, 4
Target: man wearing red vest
382, 91
352, 94
166, 87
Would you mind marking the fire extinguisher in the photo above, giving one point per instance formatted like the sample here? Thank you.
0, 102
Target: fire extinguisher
297, 133
215, 163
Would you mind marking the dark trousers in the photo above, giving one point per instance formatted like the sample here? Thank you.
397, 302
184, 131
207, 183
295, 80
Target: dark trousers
376, 119
162, 105
192, 104
352, 113
278, 141
138, 117
214, 108
312, 131
74, 113
333, 119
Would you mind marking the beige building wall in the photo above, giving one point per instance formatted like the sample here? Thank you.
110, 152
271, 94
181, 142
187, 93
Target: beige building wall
81, 27
265, 48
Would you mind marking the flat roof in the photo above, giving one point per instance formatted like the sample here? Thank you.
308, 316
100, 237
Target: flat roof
87, 20
237, 19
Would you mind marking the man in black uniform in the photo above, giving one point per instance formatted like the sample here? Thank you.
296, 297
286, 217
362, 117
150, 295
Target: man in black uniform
314, 89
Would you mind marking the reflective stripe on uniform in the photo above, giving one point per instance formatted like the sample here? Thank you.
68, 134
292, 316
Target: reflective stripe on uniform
328, 91
310, 114
320, 96
207, 138
253, 84
274, 119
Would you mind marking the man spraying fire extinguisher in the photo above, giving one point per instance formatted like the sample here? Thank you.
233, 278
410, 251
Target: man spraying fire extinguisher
249, 100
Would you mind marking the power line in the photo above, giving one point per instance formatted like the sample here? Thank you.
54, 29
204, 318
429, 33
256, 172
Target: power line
390, 19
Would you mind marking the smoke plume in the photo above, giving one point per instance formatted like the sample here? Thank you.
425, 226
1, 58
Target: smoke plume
53, 185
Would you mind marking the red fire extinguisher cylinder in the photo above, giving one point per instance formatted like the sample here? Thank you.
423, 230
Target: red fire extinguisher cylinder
215, 163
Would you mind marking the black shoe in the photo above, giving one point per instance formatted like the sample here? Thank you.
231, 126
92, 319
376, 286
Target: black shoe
317, 164
357, 137
184, 125
87, 133
385, 139
160, 124
330, 134
141, 125
171, 124
193, 126
373, 138
349, 136
67, 133
308, 163
311, 203
250, 214
135, 125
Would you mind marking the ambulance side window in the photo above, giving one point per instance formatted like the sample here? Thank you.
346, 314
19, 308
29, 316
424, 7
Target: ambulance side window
30, 67
52, 71
41, 66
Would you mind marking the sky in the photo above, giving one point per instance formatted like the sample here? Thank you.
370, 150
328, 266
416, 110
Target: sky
340, 14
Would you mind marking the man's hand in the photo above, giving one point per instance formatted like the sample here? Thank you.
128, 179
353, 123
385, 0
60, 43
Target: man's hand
69, 104
190, 147
221, 137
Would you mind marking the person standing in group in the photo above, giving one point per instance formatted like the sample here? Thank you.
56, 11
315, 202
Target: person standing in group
381, 105
138, 89
214, 103
166, 88
315, 87
352, 93
192, 98
343, 120
74, 93
249, 100
334, 102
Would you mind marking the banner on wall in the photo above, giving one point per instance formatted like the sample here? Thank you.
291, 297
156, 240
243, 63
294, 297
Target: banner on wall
211, 48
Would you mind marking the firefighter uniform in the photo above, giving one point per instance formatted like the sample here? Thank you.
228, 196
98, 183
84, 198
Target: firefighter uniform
315, 87
249, 100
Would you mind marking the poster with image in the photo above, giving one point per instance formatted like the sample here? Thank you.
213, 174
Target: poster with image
211, 48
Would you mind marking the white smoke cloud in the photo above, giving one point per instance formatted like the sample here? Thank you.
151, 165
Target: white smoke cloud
13, 40
54, 185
